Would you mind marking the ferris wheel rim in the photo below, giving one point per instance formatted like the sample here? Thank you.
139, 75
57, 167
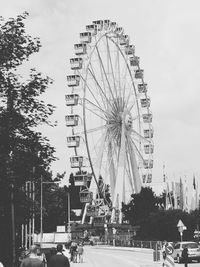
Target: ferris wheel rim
84, 89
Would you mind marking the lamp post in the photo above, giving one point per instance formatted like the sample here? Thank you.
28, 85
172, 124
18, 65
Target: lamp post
68, 208
41, 207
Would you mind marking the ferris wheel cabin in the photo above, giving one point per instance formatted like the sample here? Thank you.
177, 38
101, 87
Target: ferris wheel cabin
92, 29
76, 63
113, 25
106, 24
73, 80
85, 37
73, 141
147, 178
86, 196
124, 40
76, 161
80, 180
139, 74
145, 102
148, 163
119, 30
72, 99
148, 133
92, 211
148, 149
99, 24
147, 118
80, 49
71, 120
142, 88
134, 61
129, 49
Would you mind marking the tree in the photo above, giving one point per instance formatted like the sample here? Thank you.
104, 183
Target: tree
141, 205
21, 111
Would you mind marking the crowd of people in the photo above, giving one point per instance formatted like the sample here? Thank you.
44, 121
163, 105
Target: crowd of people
61, 256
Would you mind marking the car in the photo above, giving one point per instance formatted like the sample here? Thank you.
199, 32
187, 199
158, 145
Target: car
193, 251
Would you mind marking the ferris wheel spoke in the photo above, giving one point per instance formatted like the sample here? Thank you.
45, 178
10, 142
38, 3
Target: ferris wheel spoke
92, 111
128, 169
101, 90
111, 65
134, 167
92, 130
97, 107
140, 136
131, 142
117, 67
103, 68
90, 90
124, 87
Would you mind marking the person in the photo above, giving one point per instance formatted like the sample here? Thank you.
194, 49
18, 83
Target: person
59, 260
73, 252
184, 256
32, 260
164, 255
1, 264
41, 255
80, 251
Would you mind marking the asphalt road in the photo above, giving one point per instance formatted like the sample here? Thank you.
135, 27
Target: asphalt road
97, 257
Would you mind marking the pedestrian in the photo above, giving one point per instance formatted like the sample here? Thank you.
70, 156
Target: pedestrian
59, 260
73, 252
184, 256
32, 260
164, 254
80, 251
41, 255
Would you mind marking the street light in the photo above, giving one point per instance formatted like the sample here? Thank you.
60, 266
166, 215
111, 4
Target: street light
41, 207
68, 208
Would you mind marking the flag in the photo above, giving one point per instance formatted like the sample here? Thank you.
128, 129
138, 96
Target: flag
185, 196
194, 199
181, 203
194, 184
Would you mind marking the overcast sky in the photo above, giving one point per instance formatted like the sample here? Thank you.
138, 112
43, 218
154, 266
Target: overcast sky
167, 38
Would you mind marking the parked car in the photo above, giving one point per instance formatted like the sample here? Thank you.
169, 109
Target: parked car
193, 251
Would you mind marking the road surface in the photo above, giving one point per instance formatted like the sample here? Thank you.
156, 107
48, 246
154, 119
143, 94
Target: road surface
99, 257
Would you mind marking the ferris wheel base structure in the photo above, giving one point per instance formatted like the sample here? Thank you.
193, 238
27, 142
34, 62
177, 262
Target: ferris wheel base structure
110, 123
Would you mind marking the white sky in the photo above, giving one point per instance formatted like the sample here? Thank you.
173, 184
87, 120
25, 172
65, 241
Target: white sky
166, 34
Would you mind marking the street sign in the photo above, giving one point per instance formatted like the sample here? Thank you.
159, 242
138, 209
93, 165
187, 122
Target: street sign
169, 249
181, 228
180, 224
169, 261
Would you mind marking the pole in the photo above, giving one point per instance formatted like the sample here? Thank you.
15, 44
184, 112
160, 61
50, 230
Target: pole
33, 218
30, 220
13, 225
41, 214
181, 234
68, 208
22, 235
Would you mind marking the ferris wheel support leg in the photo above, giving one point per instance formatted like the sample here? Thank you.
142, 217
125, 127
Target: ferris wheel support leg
136, 177
119, 187
84, 213
111, 171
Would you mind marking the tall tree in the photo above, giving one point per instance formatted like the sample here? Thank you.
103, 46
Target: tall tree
21, 111
141, 205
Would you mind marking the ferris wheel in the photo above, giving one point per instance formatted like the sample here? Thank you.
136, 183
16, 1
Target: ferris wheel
109, 120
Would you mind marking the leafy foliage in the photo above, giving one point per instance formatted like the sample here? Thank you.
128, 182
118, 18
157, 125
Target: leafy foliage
22, 147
